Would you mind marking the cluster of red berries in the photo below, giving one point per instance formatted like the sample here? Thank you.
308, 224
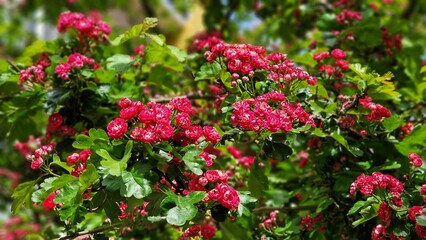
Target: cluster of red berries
79, 161
391, 43
75, 61
256, 114
368, 184
339, 61
243, 60
156, 122
86, 27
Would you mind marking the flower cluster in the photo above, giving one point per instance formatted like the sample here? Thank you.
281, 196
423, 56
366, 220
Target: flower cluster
75, 61
346, 15
225, 195
391, 43
308, 223
384, 213
37, 159
86, 27
270, 221
367, 184
256, 114
156, 122
205, 40
56, 124
79, 161
406, 129
415, 159
207, 231
27, 148
34, 73
339, 61
244, 161
378, 112
137, 210
243, 60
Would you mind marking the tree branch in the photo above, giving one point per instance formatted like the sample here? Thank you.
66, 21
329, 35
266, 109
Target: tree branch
190, 97
96, 230
285, 209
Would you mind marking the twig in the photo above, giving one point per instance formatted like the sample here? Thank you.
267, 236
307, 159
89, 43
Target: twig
353, 103
284, 209
409, 10
100, 229
13, 65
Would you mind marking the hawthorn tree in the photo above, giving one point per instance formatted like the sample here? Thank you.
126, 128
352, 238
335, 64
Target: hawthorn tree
311, 127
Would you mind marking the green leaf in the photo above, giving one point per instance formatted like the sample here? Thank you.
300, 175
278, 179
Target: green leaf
413, 142
421, 220
21, 195
64, 165
354, 150
306, 59
257, 182
120, 63
88, 177
194, 162
320, 90
180, 214
134, 184
234, 231
116, 167
135, 31
69, 195
276, 148
367, 214
208, 71
194, 197
82, 142
361, 204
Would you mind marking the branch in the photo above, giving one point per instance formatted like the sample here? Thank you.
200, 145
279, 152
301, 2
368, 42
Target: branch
409, 10
13, 65
353, 103
100, 229
285, 209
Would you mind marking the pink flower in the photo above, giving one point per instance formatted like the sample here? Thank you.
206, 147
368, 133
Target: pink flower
129, 113
207, 158
183, 120
211, 134
338, 54
321, 56
194, 132
181, 105
413, 212
384, 213
117, 128
63, 70
378, 233
37, 163
55, 121
415, 159
73, 158
124, 103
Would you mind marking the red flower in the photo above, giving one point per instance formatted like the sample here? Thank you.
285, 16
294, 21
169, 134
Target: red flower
48, 203
211, 134
384, 213
208, 231
117, 128
413, 212
415, 159
421, 231
338, 54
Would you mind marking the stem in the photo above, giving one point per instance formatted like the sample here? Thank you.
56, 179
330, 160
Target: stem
100, 229
13, 65
284, 209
